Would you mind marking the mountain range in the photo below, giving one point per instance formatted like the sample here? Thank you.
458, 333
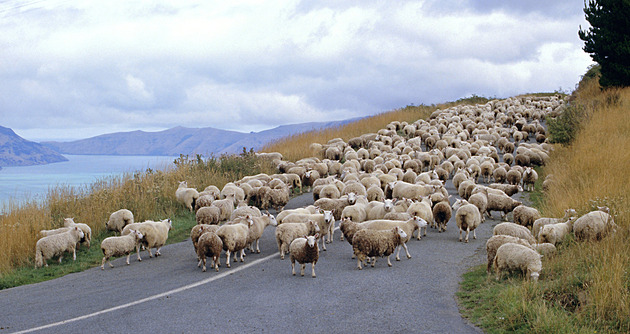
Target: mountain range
17, 151
181, 140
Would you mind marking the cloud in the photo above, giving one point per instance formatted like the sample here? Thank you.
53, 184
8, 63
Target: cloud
95, 67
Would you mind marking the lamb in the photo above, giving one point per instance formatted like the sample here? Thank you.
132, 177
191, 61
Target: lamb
122, 245
467, 217
186, 196
512, 257
87, 231
208, 215
373, 243
514, 230
348, 228
513, 177
594, 225
287, 232
525, 215
118, 220
529, 178
409, 226
496, 241
442, 214
357, 212
155, 233
55, 245
304, 250
234, 238
209, 245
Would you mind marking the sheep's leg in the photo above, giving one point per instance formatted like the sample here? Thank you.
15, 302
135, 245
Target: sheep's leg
215, 260
313, 269
467, 233
282, 251
157, 252
138, 252
203, 259
475, 234
398, 252
323, 243
389, 263
359, 263
331, 232
199, 263
74, 254
257, 246
404, 244
460, 234
103, 263
374, 261
128, 255
303, 266
60, 257
293, 267
242, 255
149, 249
227, 258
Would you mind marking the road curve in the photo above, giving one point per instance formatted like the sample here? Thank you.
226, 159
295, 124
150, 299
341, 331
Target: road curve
170, 294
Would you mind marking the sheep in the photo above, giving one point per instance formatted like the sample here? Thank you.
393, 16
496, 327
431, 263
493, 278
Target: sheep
186, 196
529, 178
56, 245
234, 238
329, 191
155, 233
87, 231
409, 226
45, 233
540, 222
508, 189
200, 229
467, 217
511, 257
211, 190
545, 249
503, 203
357, 212
304, 250
423, 210
226, 207
122, 245
373, 243
513, 177
244, 210
480, 200
499, 175
442, 214
348, 228
380, 208
375, 193
118, 220
275, 198
324, 218
208, 215
594, 225
287, 232
525, 215
311, 209
336, 205
257, 227
204, 201
496, 241
232, 190
514, 230
409, 190
209, 245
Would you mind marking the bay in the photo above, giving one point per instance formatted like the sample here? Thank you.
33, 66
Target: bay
33, 182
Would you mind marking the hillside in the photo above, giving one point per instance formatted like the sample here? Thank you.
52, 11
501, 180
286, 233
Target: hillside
181, 140
17, 151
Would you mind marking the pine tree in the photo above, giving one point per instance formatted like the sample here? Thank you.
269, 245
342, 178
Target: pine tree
608, 39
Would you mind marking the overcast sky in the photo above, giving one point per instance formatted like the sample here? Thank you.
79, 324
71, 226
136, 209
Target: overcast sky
76, 69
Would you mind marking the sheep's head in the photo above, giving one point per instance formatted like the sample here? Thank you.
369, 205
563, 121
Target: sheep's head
183, 184
311, 240
388, 204
169, 222
328, 216
420, 222
400, 232
459, 203
352, 198
272, 219
80, 231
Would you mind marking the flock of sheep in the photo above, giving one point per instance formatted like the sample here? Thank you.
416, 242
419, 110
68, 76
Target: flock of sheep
384, 189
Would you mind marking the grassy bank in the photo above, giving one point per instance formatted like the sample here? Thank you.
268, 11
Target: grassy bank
586, 286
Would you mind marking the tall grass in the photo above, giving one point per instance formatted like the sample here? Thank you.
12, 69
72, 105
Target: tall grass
149, 194
586, 286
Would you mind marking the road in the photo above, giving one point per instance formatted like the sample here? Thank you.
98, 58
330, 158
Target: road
170, 294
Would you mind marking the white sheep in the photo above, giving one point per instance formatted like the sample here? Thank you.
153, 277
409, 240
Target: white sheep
378, 209
208, 215
209, 245
234, 238
311, 209
226, 207
514, 230
87, 231
231, 190
467, 217
155, 234
555, 233
244, 210
529, 178
515, 257
275, 198
55, 245
304, 250
372, 243
287, 232
256, 228
122, 245
408, 190
204, 201
496, 241
503, 203
540, 222
118, 220
422, 209
186, 196
545, 249
325, 219
594, 225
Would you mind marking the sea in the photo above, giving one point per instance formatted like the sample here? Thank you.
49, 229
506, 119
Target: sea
18, 184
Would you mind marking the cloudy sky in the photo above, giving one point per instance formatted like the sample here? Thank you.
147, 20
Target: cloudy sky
76, 69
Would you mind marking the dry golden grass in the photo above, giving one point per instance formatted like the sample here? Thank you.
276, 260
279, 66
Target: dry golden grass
591, 172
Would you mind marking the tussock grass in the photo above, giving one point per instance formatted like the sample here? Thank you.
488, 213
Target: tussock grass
586, 286
149, 194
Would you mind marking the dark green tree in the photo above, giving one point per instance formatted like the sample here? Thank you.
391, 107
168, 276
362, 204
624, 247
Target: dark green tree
608, 39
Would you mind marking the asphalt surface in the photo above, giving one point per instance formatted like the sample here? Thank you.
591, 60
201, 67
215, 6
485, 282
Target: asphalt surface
170, 294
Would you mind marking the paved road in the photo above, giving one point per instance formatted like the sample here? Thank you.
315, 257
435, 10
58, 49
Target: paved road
170, 294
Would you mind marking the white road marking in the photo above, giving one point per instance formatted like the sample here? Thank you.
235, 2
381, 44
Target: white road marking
154, 297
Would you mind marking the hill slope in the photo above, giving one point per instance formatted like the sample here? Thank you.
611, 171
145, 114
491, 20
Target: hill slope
17, 151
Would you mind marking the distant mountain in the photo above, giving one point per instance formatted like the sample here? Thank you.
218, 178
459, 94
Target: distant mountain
180, 140
17, 151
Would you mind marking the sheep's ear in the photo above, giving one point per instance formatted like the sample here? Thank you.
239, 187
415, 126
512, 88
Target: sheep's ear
316, 235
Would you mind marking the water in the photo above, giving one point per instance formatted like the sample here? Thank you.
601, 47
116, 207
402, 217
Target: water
33, 182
